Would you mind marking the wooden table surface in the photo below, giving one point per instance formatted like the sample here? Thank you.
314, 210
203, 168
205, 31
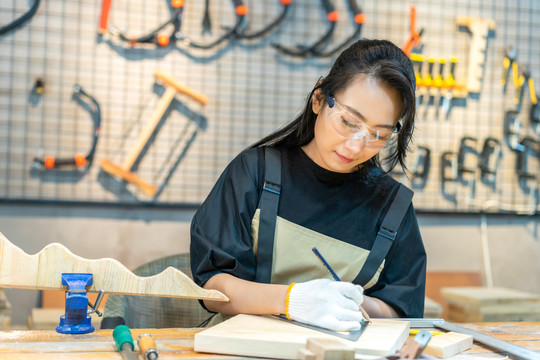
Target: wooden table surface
178, 343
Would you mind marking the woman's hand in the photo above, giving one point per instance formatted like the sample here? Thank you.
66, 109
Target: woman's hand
330, 304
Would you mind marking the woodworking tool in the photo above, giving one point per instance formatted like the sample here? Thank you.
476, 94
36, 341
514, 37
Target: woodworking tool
124, 341
157, 36
76, 319
490, 341
415, 348
104, 17
489, 158
147, 347
449, 173
414, 36
240, 10
524, 80
286, 6
416, 331
531, 147
480, 30
79, 160
512, 130
332, 16
22, 19
124, 171
359, 18
421, 165
508, 62
353, 335
336, 278
466, 146
449, 83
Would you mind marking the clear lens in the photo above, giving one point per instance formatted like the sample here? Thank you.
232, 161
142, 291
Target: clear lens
349, 126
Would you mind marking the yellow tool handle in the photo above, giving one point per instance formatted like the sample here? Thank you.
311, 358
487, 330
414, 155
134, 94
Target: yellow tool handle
147, 346
414, 332
170, 81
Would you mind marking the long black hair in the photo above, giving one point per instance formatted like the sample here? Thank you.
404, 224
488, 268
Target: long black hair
379, 59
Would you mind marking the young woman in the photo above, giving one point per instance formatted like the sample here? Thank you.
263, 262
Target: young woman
332, 194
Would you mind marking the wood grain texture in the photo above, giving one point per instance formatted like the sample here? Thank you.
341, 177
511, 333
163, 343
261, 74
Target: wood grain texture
471, 304
449, 344
178, 343
264, 336
44, 271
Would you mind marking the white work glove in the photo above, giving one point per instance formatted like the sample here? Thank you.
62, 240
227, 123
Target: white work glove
326, 303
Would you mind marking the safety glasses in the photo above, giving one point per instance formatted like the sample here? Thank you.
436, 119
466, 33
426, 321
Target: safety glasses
349, 126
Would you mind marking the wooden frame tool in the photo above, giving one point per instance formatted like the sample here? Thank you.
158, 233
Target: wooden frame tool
44, 271
124, 171
480, 29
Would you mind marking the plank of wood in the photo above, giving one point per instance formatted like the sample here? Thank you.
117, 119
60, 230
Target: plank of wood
470, 304
44, 271
480, 296
449, 344
329, 349
264, 336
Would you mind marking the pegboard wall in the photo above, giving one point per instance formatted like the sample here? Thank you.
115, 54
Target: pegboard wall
252, 89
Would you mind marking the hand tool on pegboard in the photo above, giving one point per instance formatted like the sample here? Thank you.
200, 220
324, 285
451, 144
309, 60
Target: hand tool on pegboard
80, 160
527, 169
358, 18
480, 29
272, 25
489, 159
240, 11
167, 33
524, 80
414, 36
123, 171
332, 17
20, 20
449, 174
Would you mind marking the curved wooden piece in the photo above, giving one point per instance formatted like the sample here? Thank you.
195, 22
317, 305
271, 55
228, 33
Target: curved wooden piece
44, 271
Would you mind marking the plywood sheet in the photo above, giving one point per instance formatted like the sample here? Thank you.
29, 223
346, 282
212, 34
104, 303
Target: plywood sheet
264, 336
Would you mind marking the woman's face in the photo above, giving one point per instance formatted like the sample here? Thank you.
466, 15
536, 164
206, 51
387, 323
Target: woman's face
374, 103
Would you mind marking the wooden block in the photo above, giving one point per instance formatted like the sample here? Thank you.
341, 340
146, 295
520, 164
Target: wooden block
449, 344
475, 304
480, 296
329, 349
305, 354
265, 336
432, 309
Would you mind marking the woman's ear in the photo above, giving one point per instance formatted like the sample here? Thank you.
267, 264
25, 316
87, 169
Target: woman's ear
317, 101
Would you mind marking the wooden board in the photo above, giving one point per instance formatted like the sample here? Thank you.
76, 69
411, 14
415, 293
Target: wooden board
264, 336
449, 344
44, 271
473, 304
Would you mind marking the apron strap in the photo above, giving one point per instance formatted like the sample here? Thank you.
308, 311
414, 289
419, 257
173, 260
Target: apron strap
386, 235
268, 205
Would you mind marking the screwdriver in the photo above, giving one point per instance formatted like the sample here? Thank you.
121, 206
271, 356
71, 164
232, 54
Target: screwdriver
147, 347
124, 341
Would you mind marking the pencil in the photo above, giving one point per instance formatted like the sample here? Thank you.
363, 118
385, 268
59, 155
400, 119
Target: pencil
336, 278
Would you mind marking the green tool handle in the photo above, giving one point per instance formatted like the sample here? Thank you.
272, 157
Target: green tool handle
122, 337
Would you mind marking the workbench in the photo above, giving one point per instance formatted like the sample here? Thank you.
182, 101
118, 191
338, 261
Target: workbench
178, 343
